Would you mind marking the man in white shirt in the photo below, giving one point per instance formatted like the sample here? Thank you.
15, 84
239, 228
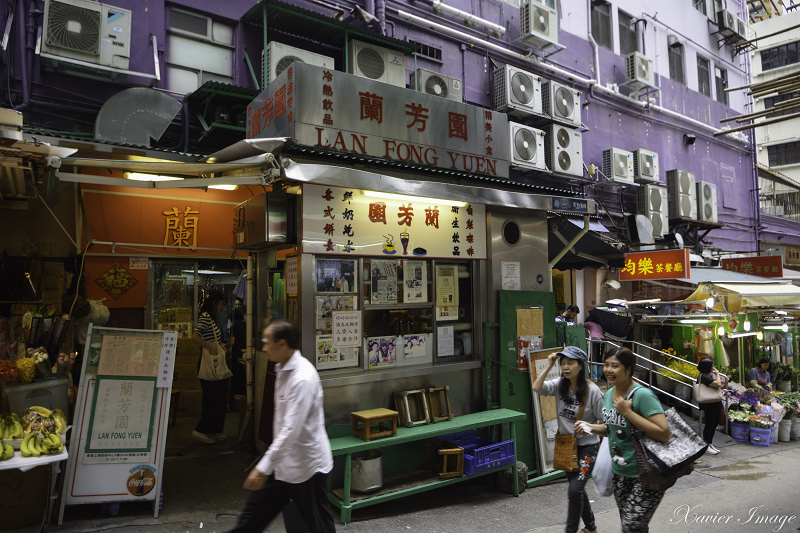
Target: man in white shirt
296, 464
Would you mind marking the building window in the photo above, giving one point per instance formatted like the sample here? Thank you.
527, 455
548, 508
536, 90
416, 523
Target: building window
601, 24
722, 84
427, 51
627, 34
772, 101
700, 5
676, 63
779, 198
780, 56
199, 49
784, 154
703, 76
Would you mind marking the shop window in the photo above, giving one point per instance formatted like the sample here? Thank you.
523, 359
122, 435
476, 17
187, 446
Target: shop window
676, 62
198, 49
703, 76
414, 312
627, 33
721, 76
601, 24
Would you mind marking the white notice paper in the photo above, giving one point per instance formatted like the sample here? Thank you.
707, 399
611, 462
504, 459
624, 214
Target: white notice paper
346, 329
167, 362
446, 344
511, 275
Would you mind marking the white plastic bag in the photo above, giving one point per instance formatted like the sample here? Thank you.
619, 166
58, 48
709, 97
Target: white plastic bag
602, 471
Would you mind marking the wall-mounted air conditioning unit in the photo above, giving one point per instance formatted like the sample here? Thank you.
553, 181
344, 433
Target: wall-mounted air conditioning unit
639, 71
435, 84
563, 151
742, 29
538, 24
645, 166
377, 63
87, 31
653, 204
517, 92
279, 56
706, 201
618, 164
527, 147
726, 21
562, 103
682, 194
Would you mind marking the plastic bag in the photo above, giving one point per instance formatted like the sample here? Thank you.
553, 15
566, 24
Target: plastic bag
602, 471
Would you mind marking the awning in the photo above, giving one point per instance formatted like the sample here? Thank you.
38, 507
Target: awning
732, 297
595, 249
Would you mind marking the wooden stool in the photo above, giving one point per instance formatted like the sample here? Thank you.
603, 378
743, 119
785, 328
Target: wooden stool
413, 407
174, 402
446, 450
374, 416
439, 403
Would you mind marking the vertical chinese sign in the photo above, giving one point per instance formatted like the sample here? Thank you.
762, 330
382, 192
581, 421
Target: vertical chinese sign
663, 264
340, 221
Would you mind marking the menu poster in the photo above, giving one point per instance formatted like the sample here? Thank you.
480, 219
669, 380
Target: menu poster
446, 344
446, 286
130, 355
415, 279
381, 351
384, 282
326, 305
328, 356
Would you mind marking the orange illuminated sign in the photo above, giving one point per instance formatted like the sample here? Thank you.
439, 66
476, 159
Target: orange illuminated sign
664, 264
768, 266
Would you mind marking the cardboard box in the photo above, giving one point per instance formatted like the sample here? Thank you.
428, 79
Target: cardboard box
191, 403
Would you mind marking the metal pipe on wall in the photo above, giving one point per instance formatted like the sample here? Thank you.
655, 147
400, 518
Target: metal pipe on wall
248, 357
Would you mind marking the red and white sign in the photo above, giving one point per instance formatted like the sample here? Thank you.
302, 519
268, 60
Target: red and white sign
664, 264
768, 266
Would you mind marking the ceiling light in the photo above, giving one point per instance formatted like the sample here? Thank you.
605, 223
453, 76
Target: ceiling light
721, 331
777, 328
747, 325
710, 302
406, 198
760, 335
694, 321
742, 334
224, 187
785, 327
139, 176
207, 272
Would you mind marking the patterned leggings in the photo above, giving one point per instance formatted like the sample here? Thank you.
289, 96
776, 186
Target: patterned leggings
636, 505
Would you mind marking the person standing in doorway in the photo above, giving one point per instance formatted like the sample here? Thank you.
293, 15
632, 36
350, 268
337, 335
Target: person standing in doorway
297, 462
208, 335
597, 346
569, 316
709, 376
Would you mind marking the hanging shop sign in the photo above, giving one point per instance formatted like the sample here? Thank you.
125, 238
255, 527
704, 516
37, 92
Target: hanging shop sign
664, 264
792, 255
338, 111
768, 266
340, 221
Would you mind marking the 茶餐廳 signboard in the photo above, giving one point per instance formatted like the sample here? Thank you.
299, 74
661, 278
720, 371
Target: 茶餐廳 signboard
329, 109
338, 220
768, 266
663, 264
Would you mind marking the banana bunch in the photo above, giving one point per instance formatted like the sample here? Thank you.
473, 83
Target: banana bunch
7, 452
41, 420
32, 447
10, 426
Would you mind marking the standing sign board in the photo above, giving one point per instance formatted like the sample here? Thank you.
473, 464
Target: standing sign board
544, 408
121, 414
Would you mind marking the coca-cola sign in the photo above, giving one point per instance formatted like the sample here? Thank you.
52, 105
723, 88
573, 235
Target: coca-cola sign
142, 480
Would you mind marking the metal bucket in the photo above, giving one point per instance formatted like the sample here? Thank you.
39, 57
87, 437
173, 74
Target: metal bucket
366, 471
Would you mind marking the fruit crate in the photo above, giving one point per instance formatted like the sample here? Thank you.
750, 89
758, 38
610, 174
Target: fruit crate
50, 393
481, 454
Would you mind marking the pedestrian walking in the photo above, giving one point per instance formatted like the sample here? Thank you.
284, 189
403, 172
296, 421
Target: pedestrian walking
626, 406
575, 394
297, 462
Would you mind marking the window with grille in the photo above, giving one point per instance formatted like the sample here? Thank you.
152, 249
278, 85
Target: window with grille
601, 24
784, 154
780, 56
703, 76
426, 50
627, 34
676, 63
772, 101
198, 49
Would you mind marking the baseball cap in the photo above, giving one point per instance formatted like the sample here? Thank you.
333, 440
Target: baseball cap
573, 352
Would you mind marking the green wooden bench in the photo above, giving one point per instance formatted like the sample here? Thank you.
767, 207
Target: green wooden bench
346, 446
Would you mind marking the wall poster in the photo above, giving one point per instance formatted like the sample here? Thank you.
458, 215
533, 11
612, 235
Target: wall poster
337, 275
384, 282
381, 351
328, 356
415, 281
326, 305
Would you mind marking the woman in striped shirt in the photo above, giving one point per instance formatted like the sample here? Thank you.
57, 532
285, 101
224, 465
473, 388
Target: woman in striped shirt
208, 336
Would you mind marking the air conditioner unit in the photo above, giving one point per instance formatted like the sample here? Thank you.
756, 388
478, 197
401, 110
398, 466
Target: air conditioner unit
706, 201
563, 152
561, 103
639, 71
653, 204
645, 166
726, 21
539, 24
618, 164
87, 31
436, 84
377, 63
742, 29
527, 147
279, 56
517, 92
682, 194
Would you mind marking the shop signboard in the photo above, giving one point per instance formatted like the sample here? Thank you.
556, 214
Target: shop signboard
792, 255
342, 221
662, 264
768, 266
334, 110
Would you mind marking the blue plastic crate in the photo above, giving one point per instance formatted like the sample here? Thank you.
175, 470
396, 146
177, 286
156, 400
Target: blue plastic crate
481, 454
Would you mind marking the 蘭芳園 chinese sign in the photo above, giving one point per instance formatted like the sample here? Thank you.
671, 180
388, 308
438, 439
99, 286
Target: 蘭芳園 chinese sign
664, 264
122, 418
341, 221
768, 266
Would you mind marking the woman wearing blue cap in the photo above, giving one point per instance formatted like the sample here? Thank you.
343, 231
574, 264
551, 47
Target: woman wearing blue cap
575, 395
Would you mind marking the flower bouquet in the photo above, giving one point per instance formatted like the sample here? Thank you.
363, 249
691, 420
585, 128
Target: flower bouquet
760, 421
65, 362
740, 417
42, 361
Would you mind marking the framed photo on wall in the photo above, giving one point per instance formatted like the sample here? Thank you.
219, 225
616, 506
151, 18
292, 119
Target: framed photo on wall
337, 275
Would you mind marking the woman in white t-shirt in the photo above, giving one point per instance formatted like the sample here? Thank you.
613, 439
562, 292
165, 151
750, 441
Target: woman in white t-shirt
571, 390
